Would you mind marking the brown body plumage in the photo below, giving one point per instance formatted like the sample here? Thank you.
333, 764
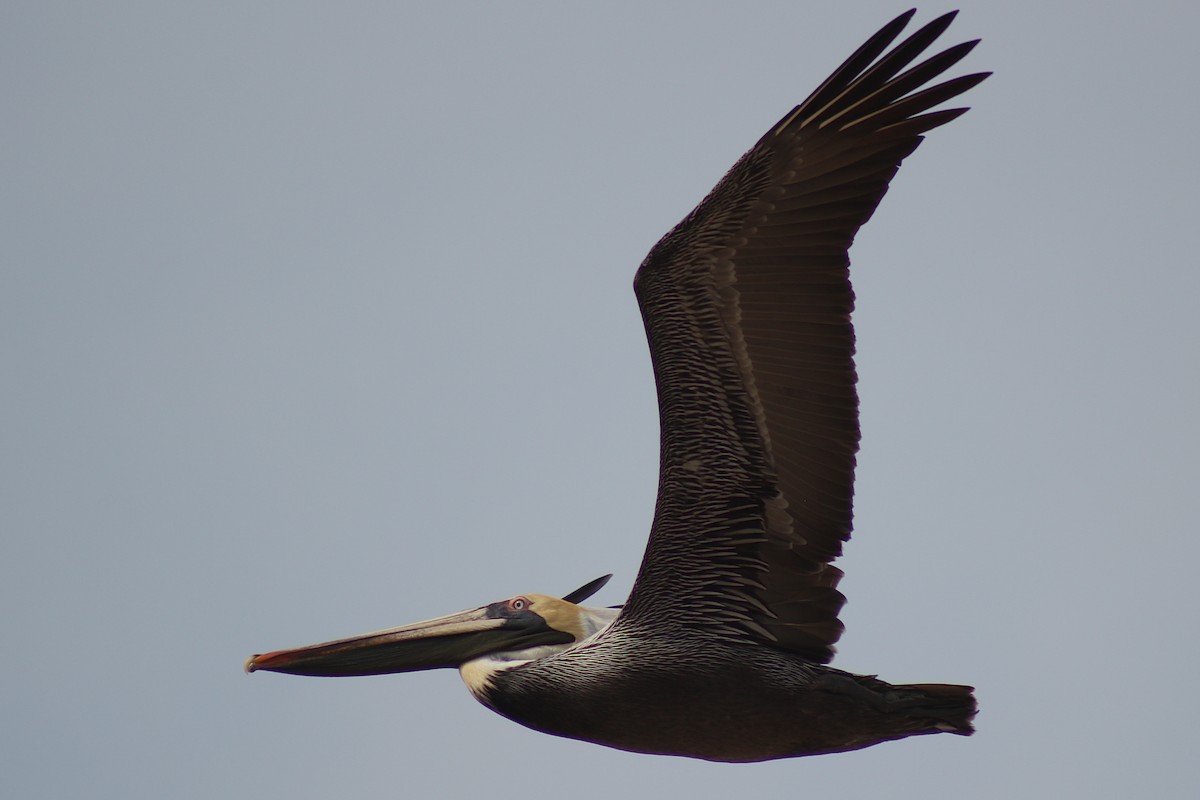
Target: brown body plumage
716, 700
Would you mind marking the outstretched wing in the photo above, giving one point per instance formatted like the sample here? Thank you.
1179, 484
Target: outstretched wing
747, 308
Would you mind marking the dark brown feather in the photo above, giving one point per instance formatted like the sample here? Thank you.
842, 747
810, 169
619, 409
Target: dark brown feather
747, 307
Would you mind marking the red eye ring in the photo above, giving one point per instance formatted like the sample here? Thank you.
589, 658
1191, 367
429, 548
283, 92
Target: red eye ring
518, 603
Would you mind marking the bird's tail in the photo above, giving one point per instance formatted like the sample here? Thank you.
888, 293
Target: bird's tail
947, 707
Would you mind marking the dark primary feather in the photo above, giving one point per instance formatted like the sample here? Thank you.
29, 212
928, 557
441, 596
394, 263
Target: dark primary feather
747, 308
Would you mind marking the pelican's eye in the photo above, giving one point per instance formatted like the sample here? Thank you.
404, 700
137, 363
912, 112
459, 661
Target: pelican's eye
518, 604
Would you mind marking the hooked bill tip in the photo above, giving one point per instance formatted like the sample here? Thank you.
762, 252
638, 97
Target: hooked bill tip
249, 664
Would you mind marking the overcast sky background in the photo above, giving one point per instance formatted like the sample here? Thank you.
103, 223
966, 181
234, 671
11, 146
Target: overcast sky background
317, 319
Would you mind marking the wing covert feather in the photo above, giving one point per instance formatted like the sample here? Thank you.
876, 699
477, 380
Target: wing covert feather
747, 306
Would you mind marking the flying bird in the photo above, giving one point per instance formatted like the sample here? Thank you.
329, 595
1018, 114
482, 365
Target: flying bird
721, 651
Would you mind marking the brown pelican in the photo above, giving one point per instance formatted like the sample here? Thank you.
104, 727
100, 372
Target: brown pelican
721, 650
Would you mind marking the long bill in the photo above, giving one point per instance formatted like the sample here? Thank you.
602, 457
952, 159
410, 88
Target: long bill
443, 642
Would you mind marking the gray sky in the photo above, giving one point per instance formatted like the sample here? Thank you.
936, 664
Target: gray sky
317, 319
